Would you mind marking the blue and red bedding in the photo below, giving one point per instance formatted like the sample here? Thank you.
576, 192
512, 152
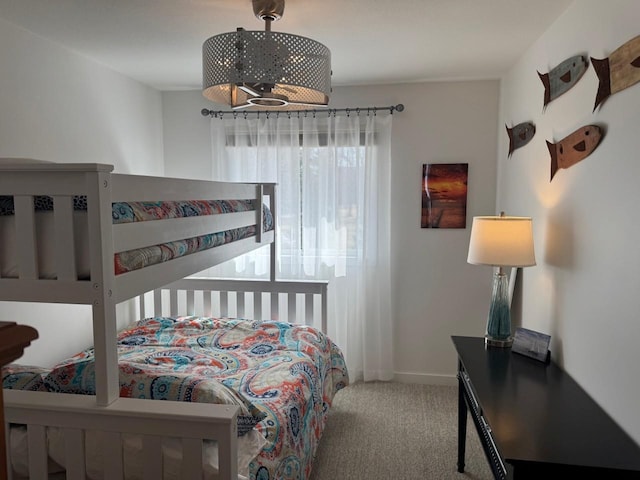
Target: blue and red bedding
283, 377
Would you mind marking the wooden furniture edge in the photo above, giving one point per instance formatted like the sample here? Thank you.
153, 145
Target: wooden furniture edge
14, 339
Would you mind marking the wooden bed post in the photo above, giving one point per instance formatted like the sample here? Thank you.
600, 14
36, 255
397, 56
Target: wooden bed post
102, 275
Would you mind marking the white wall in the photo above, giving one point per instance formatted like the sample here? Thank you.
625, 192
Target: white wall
584, 291
56, 105
436, 293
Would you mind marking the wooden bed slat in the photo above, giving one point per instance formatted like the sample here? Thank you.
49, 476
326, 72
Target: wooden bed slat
64, 238
151, 445
291, 307
157, 303
190, 303
275, 306
113, 462
26, 237
191, 458
257, 306
308, 309
173, 302
224, 304
240, 307
259, 213
142, 313
37, 444
74, 453
206, 303
324, 308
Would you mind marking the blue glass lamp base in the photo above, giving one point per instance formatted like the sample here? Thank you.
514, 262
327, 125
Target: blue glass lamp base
494, 342
499, 318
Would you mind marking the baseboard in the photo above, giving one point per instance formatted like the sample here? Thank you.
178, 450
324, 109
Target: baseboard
425, 379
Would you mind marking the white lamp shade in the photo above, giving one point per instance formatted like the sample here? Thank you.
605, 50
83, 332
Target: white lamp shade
502, 242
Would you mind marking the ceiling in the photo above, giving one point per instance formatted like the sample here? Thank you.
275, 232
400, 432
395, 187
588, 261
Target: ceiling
159, 42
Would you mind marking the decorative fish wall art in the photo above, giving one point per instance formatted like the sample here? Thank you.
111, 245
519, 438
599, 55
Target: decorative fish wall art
520, 135
574, 147
619, 71
562, 77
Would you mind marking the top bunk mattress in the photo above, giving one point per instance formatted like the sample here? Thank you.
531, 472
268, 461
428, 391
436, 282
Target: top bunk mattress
122, 212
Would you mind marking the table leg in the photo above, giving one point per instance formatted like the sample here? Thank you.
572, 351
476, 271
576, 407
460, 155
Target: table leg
462, 424
3, 444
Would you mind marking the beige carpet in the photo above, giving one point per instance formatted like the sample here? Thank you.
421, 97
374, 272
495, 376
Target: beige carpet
388, 430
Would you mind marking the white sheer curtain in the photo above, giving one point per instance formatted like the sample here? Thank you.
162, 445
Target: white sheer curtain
333, 176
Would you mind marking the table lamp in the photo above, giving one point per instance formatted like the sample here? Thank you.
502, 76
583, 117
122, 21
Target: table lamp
501, 241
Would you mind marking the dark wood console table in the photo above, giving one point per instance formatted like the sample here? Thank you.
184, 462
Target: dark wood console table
533, 419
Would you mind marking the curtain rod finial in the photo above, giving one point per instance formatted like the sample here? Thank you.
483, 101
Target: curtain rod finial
205, 112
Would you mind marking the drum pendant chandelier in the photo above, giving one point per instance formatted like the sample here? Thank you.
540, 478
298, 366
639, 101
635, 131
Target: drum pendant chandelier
265, 69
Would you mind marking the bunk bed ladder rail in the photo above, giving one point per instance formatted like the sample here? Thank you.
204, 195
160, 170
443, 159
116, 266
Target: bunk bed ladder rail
301, 302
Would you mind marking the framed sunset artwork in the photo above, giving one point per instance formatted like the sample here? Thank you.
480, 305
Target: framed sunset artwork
444, 195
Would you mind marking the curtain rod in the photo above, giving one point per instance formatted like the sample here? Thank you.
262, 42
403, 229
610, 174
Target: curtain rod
330, 111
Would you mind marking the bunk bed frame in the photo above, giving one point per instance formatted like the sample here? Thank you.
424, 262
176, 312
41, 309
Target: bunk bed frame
103, 290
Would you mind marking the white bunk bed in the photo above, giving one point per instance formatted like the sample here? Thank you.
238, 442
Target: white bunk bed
73, 416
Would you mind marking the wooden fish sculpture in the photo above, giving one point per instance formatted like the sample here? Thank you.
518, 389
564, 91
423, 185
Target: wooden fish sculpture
520, 135
562, 77
574, 147
619, 71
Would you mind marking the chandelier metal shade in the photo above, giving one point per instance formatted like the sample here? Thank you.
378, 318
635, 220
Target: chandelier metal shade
260, 70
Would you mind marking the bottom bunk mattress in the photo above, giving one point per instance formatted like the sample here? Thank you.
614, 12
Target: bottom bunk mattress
283, 376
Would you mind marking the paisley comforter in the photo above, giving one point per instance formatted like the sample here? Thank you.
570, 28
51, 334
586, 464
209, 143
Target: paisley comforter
284, 377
